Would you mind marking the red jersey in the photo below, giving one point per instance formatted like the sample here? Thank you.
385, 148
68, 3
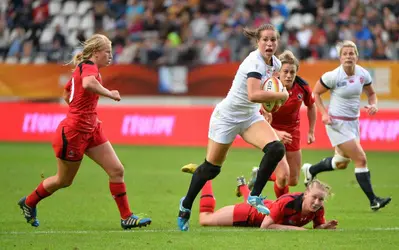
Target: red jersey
82, 114
287, 117
287, 210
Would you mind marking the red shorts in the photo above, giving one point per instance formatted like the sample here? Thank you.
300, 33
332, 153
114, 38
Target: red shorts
296, 139
70, 144
245, 215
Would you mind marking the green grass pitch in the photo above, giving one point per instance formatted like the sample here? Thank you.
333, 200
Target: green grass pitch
84, 216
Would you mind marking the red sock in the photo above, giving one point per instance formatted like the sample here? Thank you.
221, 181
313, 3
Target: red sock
280, 191
207, 201
244, 190
37, 195
118, 191
272, 177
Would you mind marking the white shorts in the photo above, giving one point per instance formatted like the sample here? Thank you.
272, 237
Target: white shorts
224, 127
342, 131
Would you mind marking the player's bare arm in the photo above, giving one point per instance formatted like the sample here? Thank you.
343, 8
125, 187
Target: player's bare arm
372, 99
256, 94
312, 115
90, 83
65, 95
268, 223
319, 90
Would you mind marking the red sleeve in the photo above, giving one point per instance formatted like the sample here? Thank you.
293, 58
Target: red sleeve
277, 210
89, 70
309, 97
319, 218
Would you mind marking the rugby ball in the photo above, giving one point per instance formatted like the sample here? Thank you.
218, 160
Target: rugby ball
272, 84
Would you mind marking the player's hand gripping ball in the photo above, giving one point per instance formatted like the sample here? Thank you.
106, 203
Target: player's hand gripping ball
272, 84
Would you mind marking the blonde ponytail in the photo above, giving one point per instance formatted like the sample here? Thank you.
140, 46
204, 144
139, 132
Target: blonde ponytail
95, 43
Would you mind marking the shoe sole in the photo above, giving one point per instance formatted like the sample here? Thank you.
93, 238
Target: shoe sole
238, 193
189, 168
252, 180
139, 226
304, 169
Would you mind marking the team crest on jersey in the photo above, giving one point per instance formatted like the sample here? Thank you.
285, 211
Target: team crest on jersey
71, 153
362, 80
351, 81
299, 96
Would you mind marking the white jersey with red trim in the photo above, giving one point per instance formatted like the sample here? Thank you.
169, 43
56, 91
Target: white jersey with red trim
345, 90
236, 102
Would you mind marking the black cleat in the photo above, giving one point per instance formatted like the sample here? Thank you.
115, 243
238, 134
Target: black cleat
379, 203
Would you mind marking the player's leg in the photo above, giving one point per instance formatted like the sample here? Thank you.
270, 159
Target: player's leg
66, 173
294, 159
208, 216
339, 132
261, 135
294, 156
208, 170
242, 188
105, 156
222, 217
282, 177
221, 134
327, 164
66, 146
354, 151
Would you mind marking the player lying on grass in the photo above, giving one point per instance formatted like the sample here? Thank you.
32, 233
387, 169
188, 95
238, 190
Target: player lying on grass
291, 211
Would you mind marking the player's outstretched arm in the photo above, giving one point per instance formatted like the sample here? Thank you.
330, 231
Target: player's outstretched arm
90, 83
332, 224
268, 223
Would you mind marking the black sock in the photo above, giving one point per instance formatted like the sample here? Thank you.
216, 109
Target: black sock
365, 183
206, 171
323, 166
274, 152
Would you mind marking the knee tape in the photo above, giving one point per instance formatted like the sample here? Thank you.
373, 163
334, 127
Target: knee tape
338, 159
208, 171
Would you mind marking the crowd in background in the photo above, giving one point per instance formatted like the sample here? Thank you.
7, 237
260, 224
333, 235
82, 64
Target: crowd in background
189, 32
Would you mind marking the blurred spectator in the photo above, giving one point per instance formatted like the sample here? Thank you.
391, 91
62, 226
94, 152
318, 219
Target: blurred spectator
4, 38
17, 38
189, 32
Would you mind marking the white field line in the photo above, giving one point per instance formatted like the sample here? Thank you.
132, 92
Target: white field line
215, 230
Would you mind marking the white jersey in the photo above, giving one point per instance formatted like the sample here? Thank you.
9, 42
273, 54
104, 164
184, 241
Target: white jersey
236, 102
345, 90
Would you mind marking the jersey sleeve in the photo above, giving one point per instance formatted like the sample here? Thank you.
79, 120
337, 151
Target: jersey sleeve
309, 97
254, 69
367, 78
319, 218
327, 80
277, 210
89, 70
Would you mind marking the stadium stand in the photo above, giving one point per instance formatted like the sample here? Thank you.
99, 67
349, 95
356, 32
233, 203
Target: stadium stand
159, 32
